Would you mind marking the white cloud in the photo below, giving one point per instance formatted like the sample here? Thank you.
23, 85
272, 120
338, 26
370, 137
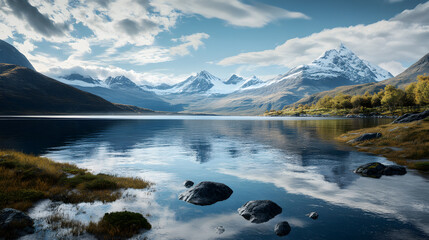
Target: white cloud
191, 41
394, 67
234, 12
398, 39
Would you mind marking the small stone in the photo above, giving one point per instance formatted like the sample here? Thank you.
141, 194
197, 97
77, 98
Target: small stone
220, 230
259, 211
282, 229
313, 215
188, 183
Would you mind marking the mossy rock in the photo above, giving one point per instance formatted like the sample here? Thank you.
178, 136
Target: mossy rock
119, 225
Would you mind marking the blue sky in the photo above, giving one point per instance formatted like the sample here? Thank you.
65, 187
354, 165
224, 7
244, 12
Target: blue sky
167, 40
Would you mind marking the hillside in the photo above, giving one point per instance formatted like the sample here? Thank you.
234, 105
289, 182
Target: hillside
9, 54
408, 76
24, 91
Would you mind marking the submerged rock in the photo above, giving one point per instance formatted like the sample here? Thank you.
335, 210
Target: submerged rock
282, 229
376, 170
259, 211
313, 215
410, 117
14, 224
365, 137
220, 230
206, 193
188, 184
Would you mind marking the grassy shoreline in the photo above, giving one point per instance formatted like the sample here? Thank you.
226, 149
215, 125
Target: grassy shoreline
25, 179
404, 143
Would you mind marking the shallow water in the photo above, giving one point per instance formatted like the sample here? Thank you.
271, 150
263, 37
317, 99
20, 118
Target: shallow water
292, 161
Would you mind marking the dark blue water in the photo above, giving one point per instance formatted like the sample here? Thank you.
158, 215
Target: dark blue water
292, 161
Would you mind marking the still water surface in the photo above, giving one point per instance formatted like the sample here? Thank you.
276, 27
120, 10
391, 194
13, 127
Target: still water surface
292, 161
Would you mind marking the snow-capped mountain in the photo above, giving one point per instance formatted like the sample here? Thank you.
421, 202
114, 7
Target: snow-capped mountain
336, 67
234, 79
119, 89
252, 82
339, 63
121, 82
207, 84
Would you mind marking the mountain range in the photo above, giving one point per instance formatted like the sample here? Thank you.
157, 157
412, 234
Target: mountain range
207, 93
337, 70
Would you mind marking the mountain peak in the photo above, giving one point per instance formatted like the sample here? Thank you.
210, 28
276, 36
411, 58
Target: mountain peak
121, 82
234, 79
345, 63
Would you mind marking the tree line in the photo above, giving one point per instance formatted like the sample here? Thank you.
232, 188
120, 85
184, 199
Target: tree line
415, 94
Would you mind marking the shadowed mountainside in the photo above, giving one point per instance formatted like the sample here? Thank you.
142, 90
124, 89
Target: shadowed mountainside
9, 54
24, 91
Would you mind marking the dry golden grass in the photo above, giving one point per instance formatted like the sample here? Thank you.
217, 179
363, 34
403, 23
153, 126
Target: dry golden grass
26, 179
404, 143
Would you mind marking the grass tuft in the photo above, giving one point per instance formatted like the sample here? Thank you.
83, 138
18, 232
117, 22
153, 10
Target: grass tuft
119, 225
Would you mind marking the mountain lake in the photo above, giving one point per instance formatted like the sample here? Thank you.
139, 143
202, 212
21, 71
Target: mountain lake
292, 161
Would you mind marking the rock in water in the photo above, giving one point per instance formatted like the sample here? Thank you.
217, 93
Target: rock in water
365, 137
412, 117
376, 170
394, 170
282, 229
14, 224
188, 184
259, 211
206, 193
313, 215
220, 230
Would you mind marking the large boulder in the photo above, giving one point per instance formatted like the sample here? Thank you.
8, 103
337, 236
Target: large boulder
15, 224
411, 117
206, 193
365, 137
376, 170
259, 211
282, 229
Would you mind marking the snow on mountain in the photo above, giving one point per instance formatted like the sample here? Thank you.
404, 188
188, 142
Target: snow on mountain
80, 80
234, 79
121, 82
206, 83
252, 82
